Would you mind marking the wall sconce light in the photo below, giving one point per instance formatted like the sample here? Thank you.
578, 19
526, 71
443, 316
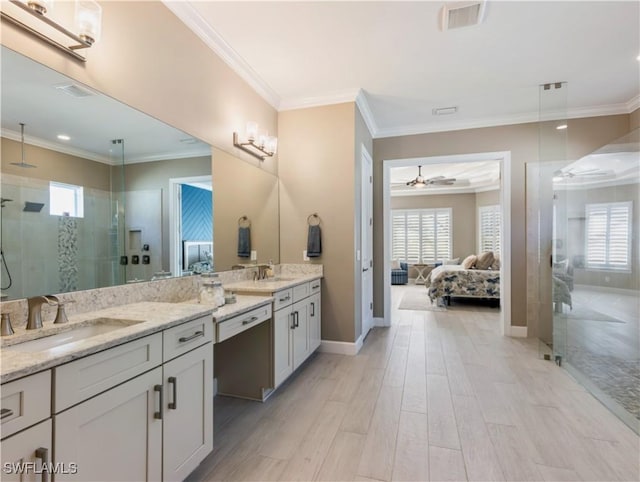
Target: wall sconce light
87, 24
260, 146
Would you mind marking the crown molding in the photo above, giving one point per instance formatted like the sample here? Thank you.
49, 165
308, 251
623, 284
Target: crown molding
633, 104
348, 95
592, 111
194, 21
54, 146
367, 114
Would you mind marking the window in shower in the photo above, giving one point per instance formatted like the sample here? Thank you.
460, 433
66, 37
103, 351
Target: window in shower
66, 200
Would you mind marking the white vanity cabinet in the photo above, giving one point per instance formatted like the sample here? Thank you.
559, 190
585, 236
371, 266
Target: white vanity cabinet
157, 425
26, 427
296, 327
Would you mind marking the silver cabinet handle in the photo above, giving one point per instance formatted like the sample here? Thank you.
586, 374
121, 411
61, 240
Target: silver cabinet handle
5, 412
250, 320
184, 339
315, 287
313, 309
293, 321
158, 414
286, 298
364, 270
43, 454
174, 381
296, 317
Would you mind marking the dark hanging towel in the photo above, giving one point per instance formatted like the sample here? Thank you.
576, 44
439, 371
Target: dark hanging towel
244, 242
314, 243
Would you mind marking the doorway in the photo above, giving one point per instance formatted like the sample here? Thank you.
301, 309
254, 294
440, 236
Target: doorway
504, 161
366, 241
191, 226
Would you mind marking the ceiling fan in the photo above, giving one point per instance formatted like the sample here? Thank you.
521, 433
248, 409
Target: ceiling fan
421, 182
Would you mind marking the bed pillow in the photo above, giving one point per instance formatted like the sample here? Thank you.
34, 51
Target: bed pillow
469, 261
395, 264
484, 260
449, 262
561, 267
496, 263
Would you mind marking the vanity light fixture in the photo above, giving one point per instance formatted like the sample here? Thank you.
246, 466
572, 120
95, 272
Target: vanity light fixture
260, 146
87, 24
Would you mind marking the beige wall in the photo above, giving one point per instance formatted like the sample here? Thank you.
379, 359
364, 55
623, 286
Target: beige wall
463, 208
634, 119
240, 189
584, 136
55, 166
317, 175
150, 60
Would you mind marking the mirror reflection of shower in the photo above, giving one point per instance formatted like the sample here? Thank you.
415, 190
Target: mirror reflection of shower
3, 262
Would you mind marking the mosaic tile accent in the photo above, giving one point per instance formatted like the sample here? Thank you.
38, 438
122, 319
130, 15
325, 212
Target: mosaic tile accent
67, 253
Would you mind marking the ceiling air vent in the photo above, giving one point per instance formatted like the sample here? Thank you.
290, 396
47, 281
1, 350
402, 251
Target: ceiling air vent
75, 90
462, 14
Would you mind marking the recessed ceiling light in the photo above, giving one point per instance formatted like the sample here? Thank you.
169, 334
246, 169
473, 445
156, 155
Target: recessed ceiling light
62, 137
561, 127
444, 110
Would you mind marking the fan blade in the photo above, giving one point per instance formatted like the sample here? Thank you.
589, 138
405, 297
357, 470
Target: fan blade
447, 181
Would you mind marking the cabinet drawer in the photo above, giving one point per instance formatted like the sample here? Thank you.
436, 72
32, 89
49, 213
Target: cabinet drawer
25, 402
314, 286
88, 376
282, 298
240, 323
182, 338
300, 292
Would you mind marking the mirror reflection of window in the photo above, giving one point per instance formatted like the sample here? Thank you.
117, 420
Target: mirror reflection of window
66, 200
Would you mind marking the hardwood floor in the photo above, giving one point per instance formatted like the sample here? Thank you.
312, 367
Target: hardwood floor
436, 396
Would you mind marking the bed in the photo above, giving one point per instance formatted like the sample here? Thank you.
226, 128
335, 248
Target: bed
448, 281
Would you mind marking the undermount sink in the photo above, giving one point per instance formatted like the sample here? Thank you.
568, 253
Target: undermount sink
62, 340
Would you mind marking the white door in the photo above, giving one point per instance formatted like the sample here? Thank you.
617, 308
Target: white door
366, 241
314, 322
116, 436
188, 412
282, 353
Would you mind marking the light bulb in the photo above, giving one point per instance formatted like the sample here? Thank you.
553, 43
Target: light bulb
88, 20
252, 131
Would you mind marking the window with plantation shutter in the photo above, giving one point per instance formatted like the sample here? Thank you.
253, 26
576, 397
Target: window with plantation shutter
609, 236
489, 229
421, 235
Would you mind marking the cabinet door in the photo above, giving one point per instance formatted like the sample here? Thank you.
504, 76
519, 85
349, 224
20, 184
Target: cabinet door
314, 322
20, 451
188, 412
282, 356
300, 332
115, 436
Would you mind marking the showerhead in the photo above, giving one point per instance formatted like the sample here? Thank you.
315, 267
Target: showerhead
4, 200
22, 163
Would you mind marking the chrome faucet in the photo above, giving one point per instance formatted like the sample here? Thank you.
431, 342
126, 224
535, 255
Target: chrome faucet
34, 319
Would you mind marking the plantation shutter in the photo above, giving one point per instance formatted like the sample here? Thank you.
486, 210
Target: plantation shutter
489, 224
421, 235
608, 235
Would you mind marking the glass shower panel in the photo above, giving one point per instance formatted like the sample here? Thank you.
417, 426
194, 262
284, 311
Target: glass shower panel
551, 219
600, 194
115, 267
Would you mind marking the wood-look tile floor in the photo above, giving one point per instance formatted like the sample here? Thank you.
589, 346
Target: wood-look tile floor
436, 396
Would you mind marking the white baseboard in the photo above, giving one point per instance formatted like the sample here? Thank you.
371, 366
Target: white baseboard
607, 289
341, 347
379, 322
518, 331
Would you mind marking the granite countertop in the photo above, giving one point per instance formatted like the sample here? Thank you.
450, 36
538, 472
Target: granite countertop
137, 319
271, 286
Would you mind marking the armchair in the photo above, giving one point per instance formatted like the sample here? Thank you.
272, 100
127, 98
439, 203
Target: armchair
400, 276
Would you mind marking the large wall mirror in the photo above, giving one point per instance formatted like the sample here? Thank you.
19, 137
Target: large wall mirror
100, 194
